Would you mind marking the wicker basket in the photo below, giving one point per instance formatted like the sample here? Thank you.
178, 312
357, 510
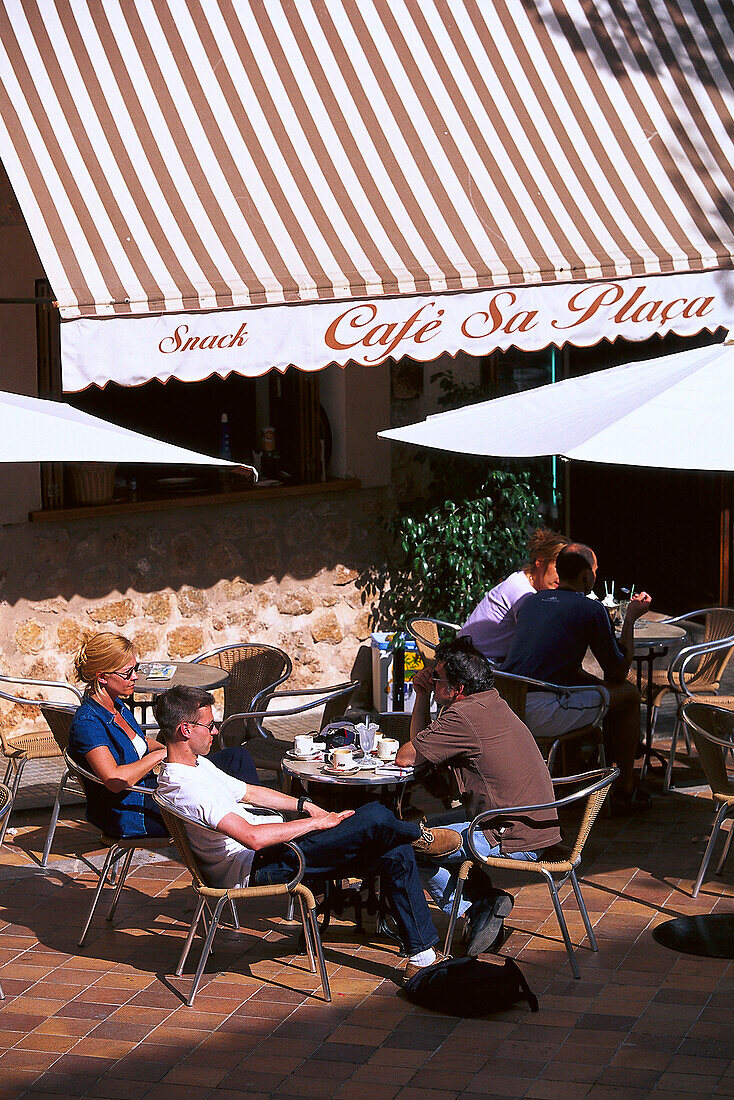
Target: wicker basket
92, 482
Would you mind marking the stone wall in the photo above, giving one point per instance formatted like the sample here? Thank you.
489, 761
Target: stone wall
180, 582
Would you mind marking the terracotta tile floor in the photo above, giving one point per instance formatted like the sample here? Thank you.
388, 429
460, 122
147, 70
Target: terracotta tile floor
109, 1021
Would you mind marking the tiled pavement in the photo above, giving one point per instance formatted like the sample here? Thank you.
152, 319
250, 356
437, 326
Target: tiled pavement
109, 1021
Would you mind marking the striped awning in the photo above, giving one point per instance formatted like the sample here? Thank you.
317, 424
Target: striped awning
176, 158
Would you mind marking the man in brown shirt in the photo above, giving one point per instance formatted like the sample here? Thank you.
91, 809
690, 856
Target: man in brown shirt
497, 763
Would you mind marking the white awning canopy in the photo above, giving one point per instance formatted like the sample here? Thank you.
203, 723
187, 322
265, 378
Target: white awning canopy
675, 412
258, 184
33, 430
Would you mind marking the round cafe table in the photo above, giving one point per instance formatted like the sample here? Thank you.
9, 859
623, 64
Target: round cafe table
186, 674
653, 639
346, 792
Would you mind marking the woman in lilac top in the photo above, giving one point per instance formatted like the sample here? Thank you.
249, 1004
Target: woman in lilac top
491, 624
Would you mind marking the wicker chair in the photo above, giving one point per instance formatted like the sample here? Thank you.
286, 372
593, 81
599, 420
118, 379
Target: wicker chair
35, 744
253, 668
427, 634
558, 865
712, 729
514, 690
6, 801
118, 847
218, 897
268, 751
695, 670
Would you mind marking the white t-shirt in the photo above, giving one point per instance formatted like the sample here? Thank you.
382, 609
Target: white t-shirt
491, 624
205, 793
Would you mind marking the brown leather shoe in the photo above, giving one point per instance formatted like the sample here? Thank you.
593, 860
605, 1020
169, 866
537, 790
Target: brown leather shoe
411, 969
437, 843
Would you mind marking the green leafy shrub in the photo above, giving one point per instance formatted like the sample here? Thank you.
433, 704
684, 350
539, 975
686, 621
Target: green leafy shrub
465, 533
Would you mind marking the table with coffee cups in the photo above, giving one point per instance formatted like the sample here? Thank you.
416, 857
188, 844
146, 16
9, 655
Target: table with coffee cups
350, 773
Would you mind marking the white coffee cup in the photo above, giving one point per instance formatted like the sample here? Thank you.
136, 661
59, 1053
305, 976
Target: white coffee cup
303, 744
387, 748
342, 759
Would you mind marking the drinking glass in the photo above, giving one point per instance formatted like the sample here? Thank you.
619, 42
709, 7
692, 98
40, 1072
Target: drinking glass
367, 737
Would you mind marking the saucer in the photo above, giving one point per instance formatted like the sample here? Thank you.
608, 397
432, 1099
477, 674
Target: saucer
327, 768
302, 756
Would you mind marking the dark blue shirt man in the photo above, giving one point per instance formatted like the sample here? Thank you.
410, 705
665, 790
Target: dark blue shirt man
554, 630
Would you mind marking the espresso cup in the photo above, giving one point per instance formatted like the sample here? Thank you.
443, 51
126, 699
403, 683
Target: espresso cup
341, 759
387, 748
303, 744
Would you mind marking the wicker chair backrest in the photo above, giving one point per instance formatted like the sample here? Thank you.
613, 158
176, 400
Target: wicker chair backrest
425, 632
395, 724
514, 693
335, 708
719, 624
252, 667
58, 720
706, 722
177, 829
594, 803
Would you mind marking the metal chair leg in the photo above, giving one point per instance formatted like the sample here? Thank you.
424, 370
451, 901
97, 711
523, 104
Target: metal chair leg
19, 766
561, 922
454, 911
307, 935
235, 914
113, 854
584, 912
206, 949
316, 938
721, 815
120, 883
725, 852
290, 907
190, 937
668, 780
54, 819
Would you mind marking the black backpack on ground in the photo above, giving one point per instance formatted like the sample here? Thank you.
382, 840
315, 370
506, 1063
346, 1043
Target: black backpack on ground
469, 987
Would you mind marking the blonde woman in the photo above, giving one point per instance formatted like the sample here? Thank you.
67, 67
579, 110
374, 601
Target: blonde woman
491, 624
106, 739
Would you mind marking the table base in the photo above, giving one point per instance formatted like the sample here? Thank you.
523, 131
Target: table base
711, 935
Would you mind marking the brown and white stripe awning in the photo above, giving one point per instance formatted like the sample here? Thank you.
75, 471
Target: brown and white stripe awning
175, 158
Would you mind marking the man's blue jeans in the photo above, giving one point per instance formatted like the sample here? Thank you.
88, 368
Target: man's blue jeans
372, 841
440, 879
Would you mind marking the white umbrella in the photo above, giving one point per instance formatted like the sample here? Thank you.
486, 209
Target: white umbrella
676, 412
33, 430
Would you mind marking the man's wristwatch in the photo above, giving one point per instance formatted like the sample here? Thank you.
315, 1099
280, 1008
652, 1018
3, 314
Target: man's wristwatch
302, 802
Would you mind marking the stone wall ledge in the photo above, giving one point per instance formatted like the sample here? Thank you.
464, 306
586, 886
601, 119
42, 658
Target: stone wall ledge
165, 504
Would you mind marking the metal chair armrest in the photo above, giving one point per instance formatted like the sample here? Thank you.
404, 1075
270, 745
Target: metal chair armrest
679, 664
606, 778
84, 773
56, 684
543, 685
325, 695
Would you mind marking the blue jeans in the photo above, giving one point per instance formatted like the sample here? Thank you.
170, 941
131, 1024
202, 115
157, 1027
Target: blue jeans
372, 841
440, 879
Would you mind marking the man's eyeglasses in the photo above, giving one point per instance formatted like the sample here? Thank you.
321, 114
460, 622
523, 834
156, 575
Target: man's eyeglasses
127, 673
204, 725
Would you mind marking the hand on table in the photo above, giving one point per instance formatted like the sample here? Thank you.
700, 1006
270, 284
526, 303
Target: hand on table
638, 606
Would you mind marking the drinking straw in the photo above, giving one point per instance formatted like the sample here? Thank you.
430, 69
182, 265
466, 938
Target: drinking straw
606, 588
632, 591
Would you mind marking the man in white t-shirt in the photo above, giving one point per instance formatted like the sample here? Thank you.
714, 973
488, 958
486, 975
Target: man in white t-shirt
237, 844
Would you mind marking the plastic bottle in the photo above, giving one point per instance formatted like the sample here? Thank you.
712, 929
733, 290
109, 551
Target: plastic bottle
225, 450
